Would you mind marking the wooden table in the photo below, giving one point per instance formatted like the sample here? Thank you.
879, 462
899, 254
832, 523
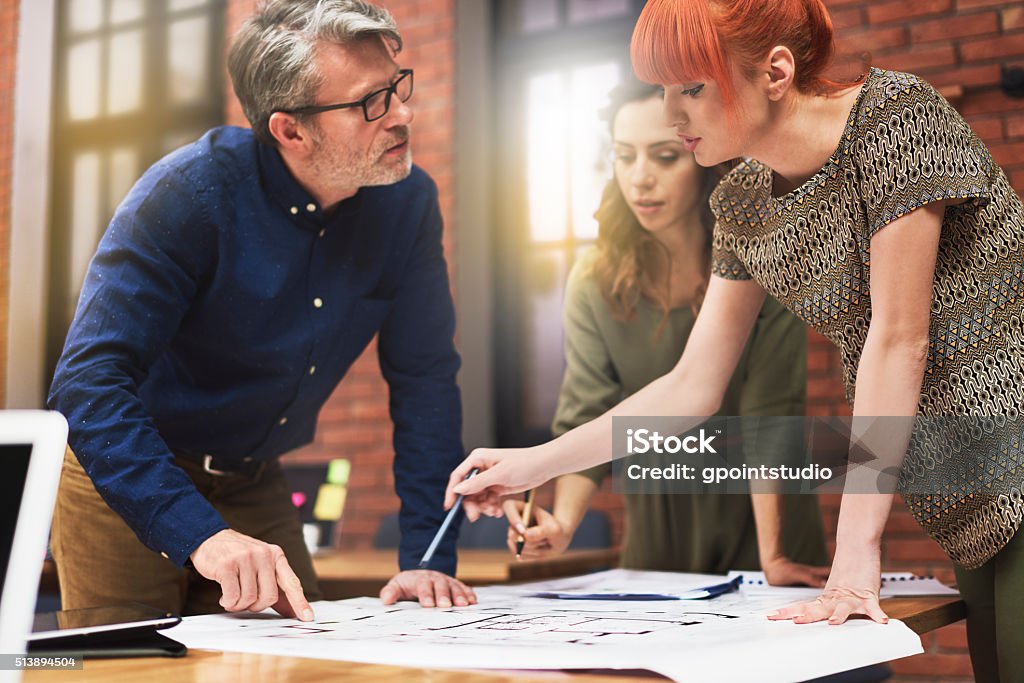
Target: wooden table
203, 666
925, 614
349, 574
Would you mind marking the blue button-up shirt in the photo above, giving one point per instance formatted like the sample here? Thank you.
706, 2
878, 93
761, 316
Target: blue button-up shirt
221, 310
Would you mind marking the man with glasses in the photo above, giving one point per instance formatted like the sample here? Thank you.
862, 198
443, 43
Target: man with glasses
236, 284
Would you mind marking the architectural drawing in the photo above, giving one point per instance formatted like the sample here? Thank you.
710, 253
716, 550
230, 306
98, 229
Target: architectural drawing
722, 639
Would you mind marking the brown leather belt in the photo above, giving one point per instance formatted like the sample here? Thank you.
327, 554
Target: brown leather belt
220, 466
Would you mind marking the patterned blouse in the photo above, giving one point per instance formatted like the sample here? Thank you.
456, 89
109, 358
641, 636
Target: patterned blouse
904, 146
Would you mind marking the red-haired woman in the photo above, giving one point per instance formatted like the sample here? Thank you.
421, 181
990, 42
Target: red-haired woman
875, 214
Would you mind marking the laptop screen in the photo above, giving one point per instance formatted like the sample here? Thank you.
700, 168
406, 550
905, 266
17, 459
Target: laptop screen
14, 459
32, 445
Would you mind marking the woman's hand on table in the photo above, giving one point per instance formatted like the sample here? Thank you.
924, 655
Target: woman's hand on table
852, 588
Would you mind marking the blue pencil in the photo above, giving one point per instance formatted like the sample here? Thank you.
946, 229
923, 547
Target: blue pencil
427, 556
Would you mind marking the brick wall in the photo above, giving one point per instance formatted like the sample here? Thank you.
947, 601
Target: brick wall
355, 424
8, 46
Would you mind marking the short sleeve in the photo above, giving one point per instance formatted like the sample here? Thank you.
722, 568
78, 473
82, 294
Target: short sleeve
910, 147
734, 212
724, 261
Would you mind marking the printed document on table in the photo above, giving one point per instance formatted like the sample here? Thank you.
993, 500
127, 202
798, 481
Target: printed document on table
723, 639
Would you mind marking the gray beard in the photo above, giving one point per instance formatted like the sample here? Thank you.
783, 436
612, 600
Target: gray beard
352, 172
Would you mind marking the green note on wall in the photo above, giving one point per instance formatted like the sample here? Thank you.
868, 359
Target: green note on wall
337, 472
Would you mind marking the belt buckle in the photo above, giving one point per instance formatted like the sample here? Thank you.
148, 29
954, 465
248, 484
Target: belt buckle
207, 459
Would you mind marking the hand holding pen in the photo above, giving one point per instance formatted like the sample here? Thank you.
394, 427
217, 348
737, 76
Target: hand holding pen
521, 540
548, 536
427, 556
502, 471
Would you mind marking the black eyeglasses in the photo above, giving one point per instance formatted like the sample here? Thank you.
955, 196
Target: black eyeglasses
375, 105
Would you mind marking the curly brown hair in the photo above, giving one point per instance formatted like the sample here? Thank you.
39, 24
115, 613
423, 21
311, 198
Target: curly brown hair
628, 255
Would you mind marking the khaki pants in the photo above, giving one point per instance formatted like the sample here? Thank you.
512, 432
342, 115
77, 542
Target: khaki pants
100, 561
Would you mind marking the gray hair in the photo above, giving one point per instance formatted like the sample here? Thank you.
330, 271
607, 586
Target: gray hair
271, 59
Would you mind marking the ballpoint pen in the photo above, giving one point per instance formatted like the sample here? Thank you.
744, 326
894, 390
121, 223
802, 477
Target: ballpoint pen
425, 562
521, 540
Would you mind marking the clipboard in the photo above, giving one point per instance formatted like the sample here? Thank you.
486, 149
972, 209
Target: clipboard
105, 632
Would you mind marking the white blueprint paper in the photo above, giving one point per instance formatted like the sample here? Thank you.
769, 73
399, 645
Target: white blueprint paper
726, 639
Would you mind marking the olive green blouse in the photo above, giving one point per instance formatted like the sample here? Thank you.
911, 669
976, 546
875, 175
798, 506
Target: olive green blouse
607, 359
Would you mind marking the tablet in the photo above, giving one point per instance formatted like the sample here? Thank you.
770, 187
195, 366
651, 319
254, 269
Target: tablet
93, 620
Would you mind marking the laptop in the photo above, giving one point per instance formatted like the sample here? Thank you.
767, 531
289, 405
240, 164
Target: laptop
32, 446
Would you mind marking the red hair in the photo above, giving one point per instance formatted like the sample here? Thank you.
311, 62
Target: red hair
679, 41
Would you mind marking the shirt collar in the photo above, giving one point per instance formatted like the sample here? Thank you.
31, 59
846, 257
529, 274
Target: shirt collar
287, 193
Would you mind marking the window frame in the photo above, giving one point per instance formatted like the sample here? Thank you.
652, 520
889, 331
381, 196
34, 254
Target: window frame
144, 130
516, 57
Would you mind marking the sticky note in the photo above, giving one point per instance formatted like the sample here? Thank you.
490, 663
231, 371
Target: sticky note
330, 501
337, 472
